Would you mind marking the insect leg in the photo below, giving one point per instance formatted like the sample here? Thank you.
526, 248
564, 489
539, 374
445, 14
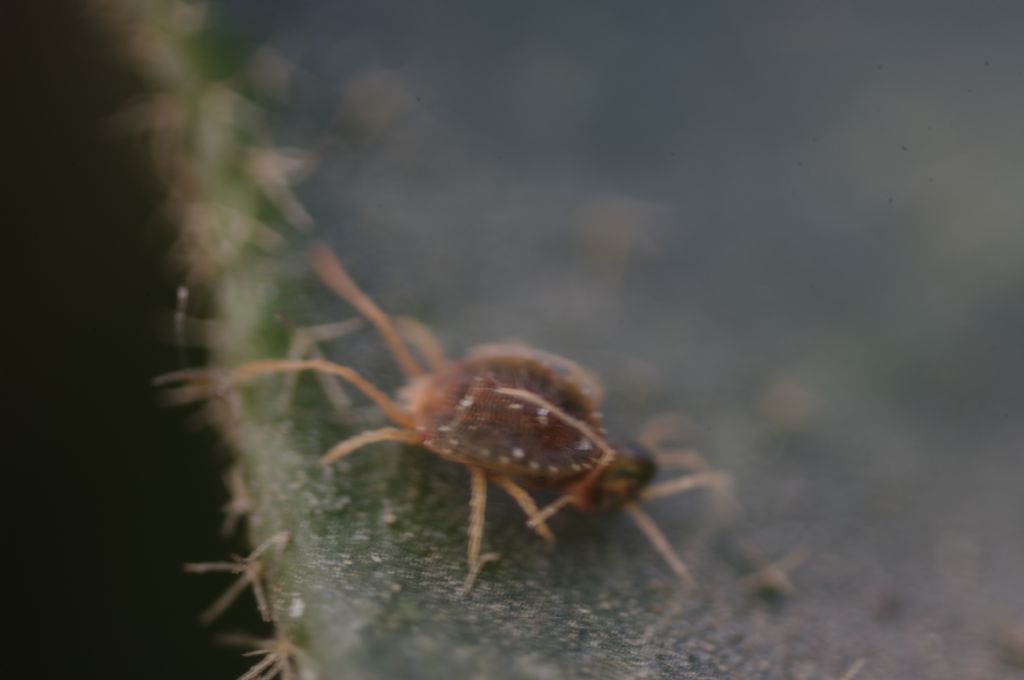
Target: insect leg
550, 509
528, 505
664, 427
477, 508
268, 366
304, 345
417, 334
354, 442
660, 543
333, 274
680, 459
719, 481
726, 504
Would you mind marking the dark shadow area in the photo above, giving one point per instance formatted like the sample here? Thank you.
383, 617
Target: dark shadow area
113, 493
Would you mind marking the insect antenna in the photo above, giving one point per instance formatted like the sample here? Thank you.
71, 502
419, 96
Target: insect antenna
330, 270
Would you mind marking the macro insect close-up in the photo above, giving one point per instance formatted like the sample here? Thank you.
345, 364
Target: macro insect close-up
515, 416
520, 340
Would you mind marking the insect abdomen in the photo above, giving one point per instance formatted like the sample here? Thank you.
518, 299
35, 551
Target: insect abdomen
462, 415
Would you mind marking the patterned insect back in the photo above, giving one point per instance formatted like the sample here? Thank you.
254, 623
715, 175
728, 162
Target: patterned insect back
462, 414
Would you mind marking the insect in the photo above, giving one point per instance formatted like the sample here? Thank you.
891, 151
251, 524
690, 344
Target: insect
517, 417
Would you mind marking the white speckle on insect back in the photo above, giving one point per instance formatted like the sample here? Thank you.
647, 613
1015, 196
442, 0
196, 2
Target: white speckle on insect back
584, 444
518, 453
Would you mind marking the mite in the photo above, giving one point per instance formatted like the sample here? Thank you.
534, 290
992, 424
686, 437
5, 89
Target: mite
518, 417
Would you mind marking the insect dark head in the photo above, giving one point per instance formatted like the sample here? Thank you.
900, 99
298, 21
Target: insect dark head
630, 471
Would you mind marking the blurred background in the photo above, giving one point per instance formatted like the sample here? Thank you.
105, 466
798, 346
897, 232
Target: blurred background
800, 223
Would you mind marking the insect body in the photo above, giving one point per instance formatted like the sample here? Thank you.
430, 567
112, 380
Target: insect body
516, 416
472, 410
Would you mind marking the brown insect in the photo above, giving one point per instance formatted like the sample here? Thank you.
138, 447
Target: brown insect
518, 417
